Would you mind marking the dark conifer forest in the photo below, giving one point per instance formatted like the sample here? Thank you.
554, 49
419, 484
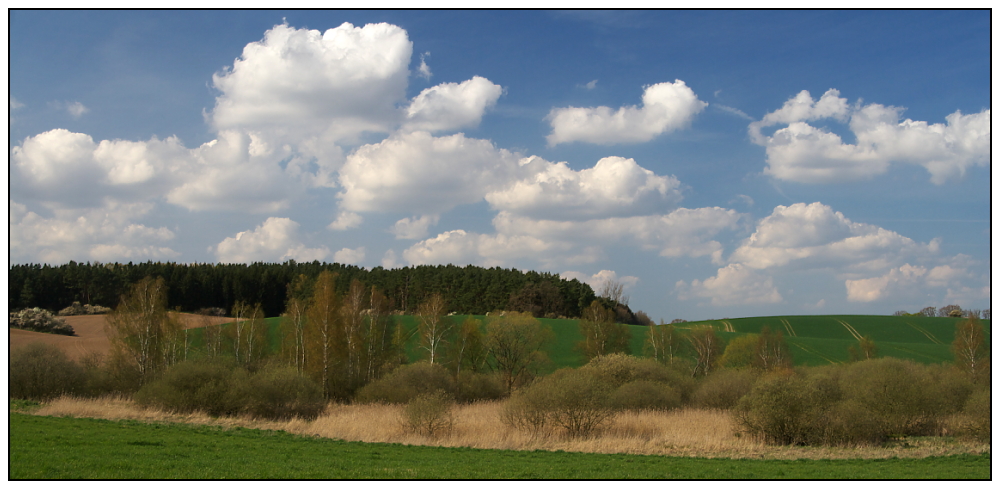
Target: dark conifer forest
191, 287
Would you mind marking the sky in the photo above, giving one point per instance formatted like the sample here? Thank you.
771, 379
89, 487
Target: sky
715, 163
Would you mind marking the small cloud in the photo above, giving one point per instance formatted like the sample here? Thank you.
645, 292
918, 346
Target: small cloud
424, 71
414, 228
589, 85
348, 256
744, 199
732, 110
345, 220
14, 104
76, 109
389, 260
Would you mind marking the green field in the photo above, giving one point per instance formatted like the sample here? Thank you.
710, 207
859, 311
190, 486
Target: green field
813, 340
42, 447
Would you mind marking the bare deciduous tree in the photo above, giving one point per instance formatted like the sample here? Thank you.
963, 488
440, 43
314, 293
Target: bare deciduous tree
514, 343
141, 331
433, 326
970, 349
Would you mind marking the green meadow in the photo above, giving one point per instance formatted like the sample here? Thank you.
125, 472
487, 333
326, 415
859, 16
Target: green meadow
812, 340
43, 447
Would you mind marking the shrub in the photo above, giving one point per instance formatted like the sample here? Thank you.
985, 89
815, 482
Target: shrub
76, 309
215, 387
622, 369
407, 382
779, 410
40, 320
429, 414
645, 394
723, 388
521, 414
577, 400
478, 386
899, 394
974, 420
281, 392
41, 372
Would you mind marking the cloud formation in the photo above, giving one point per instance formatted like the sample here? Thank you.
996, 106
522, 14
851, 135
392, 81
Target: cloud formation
451, 106
419, 173
803, 153
665, 107
297, 83
103, 234
733, 285
276, 240
615, 186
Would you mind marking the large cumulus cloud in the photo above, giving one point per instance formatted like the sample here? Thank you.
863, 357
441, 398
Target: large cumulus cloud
801, 152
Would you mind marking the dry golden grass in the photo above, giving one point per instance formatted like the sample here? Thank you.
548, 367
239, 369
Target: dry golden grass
684, 432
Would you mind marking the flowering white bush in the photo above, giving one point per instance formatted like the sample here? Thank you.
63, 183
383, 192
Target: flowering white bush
37, 319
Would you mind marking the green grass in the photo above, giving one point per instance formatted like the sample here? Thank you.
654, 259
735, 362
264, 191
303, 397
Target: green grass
66, 448
812, 340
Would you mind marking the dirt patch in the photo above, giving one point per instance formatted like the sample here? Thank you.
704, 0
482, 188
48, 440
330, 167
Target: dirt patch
90, 336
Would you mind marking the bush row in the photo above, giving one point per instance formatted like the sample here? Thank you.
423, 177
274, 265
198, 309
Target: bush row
40, 320
865, 402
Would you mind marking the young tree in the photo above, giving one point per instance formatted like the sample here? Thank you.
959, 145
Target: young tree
248, 334
771, 351
433, 326
514, 344
866, 349
352, 338
601, 334
741, 352
663, 343
140, 330
322, 325
970, 349
468, 350
293, 323
381, 353
707, 348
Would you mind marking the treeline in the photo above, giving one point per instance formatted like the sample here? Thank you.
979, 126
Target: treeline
196, 286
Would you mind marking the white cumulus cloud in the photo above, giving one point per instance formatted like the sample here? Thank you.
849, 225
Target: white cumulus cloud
109, 233
615, 186
451, 106
276, 240
349, 256
810, 236
345, 220
413, 228
803, 153
732, 285
300, 82
419, 173
665, 107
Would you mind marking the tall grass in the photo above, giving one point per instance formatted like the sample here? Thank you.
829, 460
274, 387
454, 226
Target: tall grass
685, 432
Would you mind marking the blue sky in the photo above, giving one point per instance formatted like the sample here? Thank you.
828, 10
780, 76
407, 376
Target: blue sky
718, 164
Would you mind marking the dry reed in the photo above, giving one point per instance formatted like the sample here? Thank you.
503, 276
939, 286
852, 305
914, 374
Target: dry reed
683, 432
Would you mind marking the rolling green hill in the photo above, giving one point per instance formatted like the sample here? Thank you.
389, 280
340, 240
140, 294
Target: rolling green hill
813, 340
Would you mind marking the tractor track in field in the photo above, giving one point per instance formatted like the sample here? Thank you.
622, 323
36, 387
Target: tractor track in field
925, 333
788, 327
850, 329
813, 351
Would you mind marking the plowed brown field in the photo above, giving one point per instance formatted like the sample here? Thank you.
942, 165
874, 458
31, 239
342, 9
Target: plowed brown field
90, 336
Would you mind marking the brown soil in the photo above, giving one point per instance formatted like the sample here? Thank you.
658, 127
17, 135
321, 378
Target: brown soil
90, 336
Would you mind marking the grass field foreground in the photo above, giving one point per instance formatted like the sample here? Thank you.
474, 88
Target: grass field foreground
43, 447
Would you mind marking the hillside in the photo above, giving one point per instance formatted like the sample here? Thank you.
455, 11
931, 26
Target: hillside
813, 340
